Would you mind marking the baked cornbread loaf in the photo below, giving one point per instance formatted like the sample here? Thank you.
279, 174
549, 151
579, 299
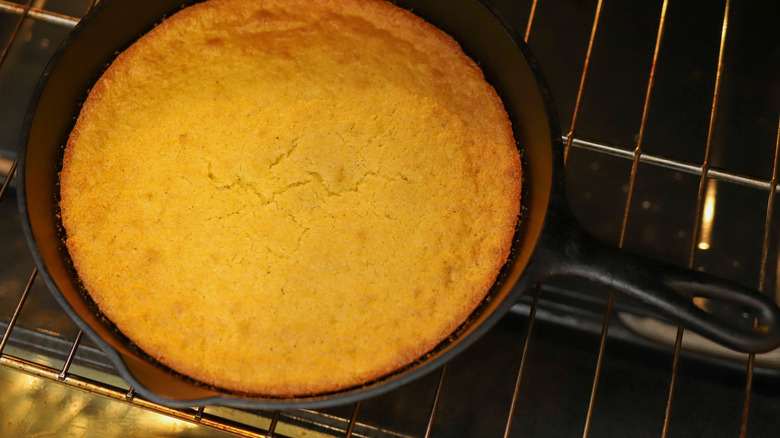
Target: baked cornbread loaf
290, 197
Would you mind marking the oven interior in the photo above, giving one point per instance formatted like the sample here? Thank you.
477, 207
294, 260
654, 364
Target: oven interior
670, 112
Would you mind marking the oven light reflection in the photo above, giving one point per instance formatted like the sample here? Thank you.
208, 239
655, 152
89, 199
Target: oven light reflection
708, 215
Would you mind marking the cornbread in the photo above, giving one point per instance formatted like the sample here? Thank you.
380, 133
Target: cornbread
290, 197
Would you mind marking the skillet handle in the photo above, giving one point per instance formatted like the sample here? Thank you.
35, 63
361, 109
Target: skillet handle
670, 290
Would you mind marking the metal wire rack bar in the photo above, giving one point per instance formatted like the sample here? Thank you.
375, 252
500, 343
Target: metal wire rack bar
761, 281
627, 208
672, 381
704, 171
638, 154
523, 360
583, 77
352, 420
769, 211
23, 14
8, 177
274, 422
668, 163
599, 364
18, 310
569, 140
632, 184
64, 372
530, 20
645, 107
435, 404
39, 14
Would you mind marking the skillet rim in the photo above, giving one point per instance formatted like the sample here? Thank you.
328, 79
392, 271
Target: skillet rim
420, 367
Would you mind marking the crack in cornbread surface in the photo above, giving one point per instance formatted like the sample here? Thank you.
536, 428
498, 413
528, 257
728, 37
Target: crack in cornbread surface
288, 197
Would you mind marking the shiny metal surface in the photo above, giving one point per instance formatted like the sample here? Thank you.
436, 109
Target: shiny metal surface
43, 408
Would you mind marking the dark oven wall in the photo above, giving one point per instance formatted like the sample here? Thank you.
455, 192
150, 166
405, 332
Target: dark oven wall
669, 111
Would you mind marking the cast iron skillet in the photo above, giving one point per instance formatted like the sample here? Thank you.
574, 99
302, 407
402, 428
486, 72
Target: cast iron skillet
548, 241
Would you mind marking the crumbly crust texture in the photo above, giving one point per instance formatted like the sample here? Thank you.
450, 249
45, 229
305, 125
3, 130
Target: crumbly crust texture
290, 197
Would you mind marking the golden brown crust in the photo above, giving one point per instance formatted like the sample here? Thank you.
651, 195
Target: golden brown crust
290, 197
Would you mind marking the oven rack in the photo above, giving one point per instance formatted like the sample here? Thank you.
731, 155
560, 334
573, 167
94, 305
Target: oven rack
75, 363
